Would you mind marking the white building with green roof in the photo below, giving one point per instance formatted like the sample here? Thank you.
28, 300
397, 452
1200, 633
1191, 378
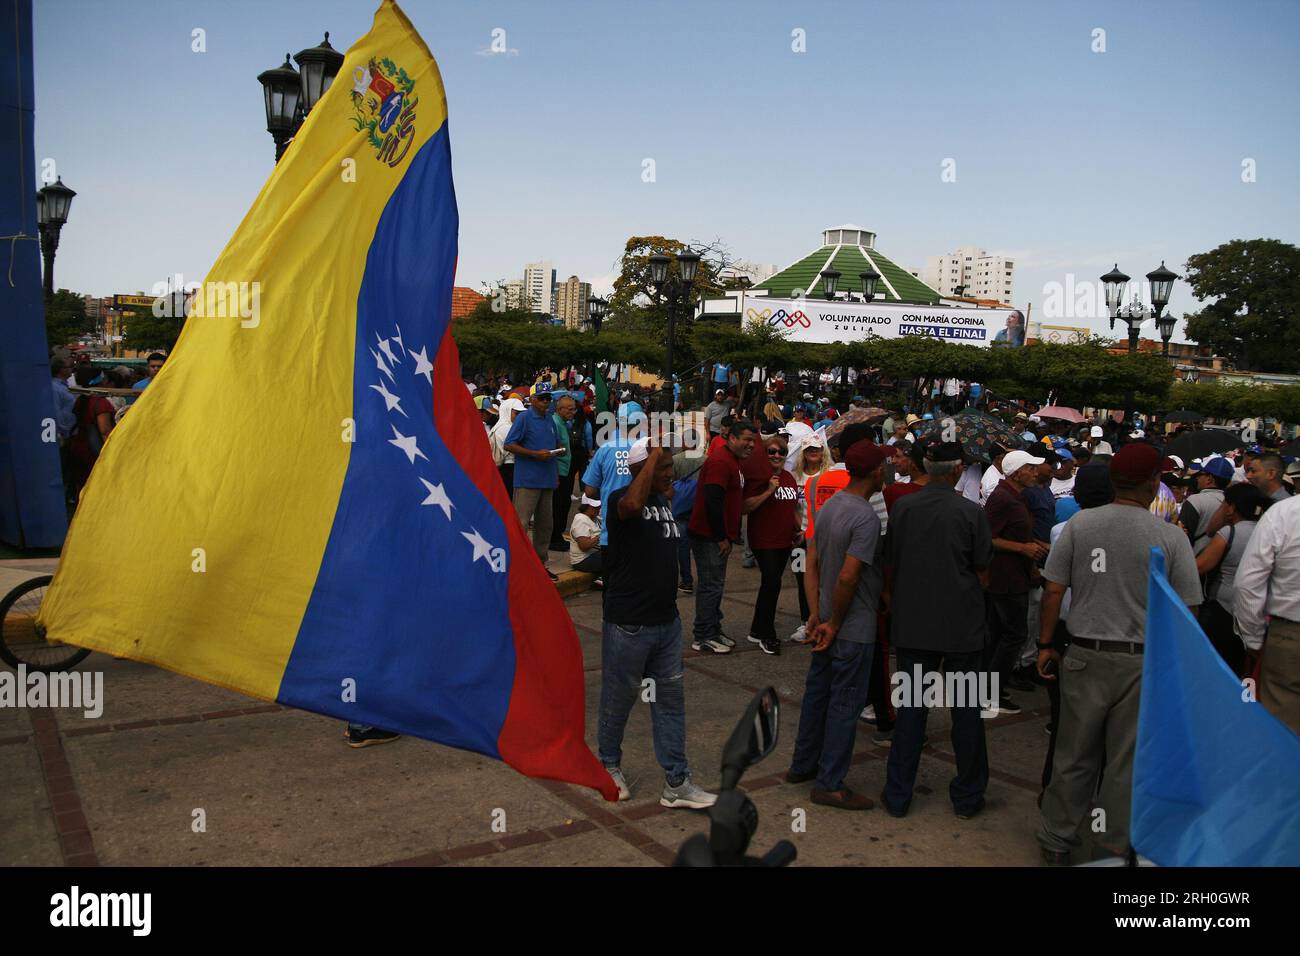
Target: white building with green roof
849, 250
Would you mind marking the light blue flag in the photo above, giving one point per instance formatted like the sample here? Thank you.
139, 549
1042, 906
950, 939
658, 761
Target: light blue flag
1216, 779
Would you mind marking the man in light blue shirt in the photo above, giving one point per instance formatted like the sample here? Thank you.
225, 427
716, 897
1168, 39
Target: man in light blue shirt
608, 470
64, 400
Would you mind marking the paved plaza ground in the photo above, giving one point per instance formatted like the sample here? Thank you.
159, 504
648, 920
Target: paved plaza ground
279, 786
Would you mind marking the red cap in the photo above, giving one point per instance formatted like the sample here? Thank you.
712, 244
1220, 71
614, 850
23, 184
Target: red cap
1135, 463
863, 457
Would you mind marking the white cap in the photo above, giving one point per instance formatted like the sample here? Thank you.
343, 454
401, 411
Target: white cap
590, 501
1096, 431
1015, 460
639, 452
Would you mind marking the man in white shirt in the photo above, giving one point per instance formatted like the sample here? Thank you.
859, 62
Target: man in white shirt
968, 484
1268, 599
993, 475
1095, 443
951, 391
1063, 477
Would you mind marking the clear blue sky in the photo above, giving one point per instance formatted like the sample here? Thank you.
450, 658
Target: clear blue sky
1069, 159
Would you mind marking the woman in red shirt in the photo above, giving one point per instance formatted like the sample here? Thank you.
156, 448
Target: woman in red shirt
773, 529
94, 420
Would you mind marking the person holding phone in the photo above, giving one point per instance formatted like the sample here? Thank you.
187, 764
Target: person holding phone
536, 444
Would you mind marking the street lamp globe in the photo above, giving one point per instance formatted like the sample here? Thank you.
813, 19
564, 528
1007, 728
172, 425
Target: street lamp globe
659, 268
869, 280
832, 280
1115, 282
281, 88
318, 65
1162, 282
688, 262
52, 203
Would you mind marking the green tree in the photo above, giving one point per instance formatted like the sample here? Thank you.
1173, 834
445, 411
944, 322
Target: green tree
66, 319
1255, 318
637, 308
142, 330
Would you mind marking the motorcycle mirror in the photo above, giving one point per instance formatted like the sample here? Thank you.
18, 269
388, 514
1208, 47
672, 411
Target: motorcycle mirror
754, 737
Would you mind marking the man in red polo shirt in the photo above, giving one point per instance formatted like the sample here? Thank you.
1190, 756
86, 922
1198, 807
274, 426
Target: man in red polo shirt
714, 527
1015, 553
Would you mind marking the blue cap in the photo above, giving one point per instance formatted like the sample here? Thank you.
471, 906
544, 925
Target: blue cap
1064, 454
927, 417
1218, 467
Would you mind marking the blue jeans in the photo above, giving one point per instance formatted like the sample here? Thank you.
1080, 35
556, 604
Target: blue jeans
967, 788
630, 653
684, 551
711, 574
834, 695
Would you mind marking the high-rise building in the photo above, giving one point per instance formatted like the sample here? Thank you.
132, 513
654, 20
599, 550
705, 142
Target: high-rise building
571, 297
514, 294
539, 285
977, 273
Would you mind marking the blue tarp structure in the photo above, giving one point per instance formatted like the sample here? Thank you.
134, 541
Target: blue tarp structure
32, 512
1216, 778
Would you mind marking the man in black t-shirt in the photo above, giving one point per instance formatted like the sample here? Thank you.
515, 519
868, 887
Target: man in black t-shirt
641, 640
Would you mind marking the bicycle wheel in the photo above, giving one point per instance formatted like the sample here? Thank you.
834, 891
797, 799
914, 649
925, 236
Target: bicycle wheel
23, 641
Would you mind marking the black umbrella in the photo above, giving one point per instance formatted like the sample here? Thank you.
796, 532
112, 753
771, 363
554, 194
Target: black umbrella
1207, 441
977, 433
1183, 415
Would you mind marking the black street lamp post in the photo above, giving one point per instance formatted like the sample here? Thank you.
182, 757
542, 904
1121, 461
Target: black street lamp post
52, 205
678, 291
281, 88
1134, 313
290, 95
831, 279
596, 309
1162, 281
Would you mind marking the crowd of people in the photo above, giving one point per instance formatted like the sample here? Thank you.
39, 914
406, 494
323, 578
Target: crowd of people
84, 419
917, 565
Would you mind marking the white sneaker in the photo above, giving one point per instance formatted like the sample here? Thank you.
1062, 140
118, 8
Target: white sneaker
686, 795
869, 713
726, 640
620, 781
801, 635
711, 646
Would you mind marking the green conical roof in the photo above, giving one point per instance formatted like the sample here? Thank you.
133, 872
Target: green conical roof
896, 284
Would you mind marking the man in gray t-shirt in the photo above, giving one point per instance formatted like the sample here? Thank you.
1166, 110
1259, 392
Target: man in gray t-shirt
842, 584
847, 526
1103, 558
717, 410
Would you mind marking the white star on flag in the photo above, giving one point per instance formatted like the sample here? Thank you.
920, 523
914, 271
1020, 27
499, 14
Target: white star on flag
388, 350
422, 366
407, 444
397, 336
379, 363
481, 548
390, 400
438, 496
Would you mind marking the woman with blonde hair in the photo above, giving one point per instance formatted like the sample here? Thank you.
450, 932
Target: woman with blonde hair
772, 412
810, 459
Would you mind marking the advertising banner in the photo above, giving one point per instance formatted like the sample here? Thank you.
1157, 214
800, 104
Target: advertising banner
814, 320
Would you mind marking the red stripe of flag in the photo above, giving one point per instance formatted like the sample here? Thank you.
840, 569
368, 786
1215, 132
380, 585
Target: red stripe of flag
543, 734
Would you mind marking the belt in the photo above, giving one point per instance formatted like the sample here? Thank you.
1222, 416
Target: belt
1119, 647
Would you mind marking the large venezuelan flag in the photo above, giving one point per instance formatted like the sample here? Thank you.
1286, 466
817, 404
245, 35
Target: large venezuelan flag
321, 514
